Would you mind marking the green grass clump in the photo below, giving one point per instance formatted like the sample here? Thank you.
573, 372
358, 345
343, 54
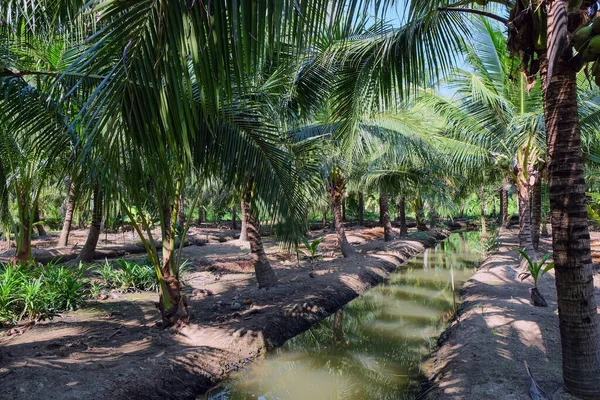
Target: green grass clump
127, 276
39, 292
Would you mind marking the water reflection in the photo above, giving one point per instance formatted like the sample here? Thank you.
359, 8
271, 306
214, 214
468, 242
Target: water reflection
373, 347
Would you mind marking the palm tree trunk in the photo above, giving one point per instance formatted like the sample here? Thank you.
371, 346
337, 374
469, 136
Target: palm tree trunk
420, 215
385, 211
525, 240
402, 215
483, 211
262, 267
344, 210
233, 218
536, 211
66, 229
335, 188
36, 218
504, 203
87, 253
244, 230
181, 211
433, 218
23, 252
578, 315
200, 215
361, 209
380, 211
172, 304
545, 226
500, 196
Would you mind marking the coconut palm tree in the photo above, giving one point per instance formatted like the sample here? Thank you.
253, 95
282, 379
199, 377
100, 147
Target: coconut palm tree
24, 110
426, 47
492, 118
543, 47
177, 98
206, 51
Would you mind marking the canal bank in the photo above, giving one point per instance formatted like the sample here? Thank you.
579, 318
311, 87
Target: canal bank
372, 348
112, 349
482, 354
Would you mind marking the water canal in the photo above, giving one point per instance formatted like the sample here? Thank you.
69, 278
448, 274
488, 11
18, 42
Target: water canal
373, 347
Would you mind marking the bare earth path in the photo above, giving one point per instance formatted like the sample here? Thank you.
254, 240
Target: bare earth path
482, 356
112, 350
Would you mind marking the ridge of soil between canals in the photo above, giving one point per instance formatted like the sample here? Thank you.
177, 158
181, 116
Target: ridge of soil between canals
111, 349
482, 353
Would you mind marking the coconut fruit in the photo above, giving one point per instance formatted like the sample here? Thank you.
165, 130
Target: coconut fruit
581, 36
596, 68
596, 25
589, 56
594, 44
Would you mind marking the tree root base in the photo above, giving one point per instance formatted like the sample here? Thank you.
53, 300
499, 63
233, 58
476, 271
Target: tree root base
536, 298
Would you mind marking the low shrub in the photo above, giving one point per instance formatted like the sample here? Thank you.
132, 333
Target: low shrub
39, 292
128, 276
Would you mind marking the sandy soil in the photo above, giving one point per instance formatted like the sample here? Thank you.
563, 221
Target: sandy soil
112, 349
112, 245
482, 356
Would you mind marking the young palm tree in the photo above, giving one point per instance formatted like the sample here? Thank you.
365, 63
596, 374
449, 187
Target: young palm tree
24, 110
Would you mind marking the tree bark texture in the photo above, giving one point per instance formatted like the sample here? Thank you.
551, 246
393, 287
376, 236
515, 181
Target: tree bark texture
172, 304
36, 219
483, 210
336, 188
200, 215
66, 228
578, 315
420, 218
385, 212
244, 229
89, 248
504, 203
380, 212
181, 211
525, 242
402, 215
361, 209
23, 252
536, 211
262, 267
433, 218
234, 218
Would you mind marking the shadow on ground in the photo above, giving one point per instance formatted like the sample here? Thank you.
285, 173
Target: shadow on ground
112, 349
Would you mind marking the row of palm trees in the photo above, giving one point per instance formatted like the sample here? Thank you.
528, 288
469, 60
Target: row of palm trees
282, 101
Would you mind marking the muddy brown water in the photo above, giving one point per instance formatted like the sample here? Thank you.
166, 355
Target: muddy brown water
373, 347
